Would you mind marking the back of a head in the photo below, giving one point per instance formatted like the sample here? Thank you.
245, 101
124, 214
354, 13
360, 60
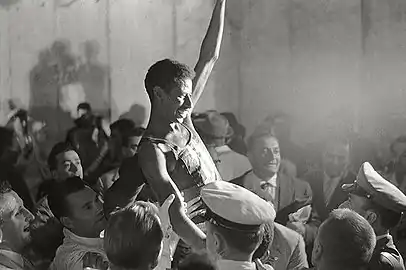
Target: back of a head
84, 106
197, 262
133, 237
58, 193
347, 240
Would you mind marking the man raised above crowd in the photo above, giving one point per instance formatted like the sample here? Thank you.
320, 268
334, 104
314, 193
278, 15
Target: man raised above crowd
172, 156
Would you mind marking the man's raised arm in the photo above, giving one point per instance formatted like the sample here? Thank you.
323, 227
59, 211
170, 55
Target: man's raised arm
210, 50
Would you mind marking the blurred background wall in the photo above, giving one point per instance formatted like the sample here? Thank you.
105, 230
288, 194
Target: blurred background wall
333, 65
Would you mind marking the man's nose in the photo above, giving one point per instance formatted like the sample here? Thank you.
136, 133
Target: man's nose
188, 101
73, 168
28, 215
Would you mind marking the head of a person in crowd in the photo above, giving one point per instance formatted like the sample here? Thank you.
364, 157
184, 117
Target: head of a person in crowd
376, 199
169, 87
398, 151
131, 141
232, 233
64, 162
214, 129
345, 240
77, 207
197, 261
83, 108
15, 220
264, 153
9, 147
336, 156
133, 238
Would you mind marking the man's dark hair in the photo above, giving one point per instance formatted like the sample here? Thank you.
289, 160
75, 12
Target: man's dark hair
133, 236
196, 261
60, 191
245, 242
347, 240
388, 218
136, 132
84, 106
6, 139
259, 133
166, 74
123, 125
58, 148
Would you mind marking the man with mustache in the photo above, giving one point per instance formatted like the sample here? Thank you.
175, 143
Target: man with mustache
172, 156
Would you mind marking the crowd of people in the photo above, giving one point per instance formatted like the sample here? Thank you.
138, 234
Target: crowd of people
190, 191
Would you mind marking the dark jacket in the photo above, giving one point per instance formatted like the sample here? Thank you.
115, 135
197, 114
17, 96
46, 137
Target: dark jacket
386, 256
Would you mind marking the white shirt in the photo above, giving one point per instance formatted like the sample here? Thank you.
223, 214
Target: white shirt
232, 164
69, 255
14, 258
235, 265
264, 188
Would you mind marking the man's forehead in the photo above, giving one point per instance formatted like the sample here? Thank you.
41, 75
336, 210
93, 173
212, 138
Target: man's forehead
9, 202
67, 155
81, 197
266, 141
184, 88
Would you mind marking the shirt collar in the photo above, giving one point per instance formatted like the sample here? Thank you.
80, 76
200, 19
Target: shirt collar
223, 149
15, 257
90, 242
235, 265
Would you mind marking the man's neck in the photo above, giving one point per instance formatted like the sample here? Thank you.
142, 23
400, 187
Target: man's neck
262, 175
158, 125
237, 256
7, 246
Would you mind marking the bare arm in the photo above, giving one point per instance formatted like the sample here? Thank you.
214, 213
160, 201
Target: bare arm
153, 164
210, 50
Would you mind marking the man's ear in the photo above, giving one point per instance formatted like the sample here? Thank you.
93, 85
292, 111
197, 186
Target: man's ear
66, 222
371, 217
158, 92
219, 242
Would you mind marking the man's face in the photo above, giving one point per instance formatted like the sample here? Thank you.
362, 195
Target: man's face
265, 156
177, 105
336, 159
82, 112
132, 147
86, 217
68, 165
17, 220
355, 203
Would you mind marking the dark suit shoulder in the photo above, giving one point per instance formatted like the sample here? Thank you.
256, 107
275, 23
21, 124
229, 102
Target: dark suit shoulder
240, 180
313, 176
301, 187
289, 236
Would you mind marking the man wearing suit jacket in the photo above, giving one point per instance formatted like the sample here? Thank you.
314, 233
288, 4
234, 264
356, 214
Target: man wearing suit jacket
287, 193
282, 248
